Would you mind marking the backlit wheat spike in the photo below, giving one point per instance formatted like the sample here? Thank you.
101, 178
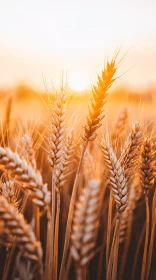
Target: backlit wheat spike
117, 178
57, 129
29, 179
62, 170
99, 93
120, 124
131, 150
85, 223
23, 233
7, 189
28, 150
147, 167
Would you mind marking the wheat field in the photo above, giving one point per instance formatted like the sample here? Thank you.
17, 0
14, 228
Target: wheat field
77, 191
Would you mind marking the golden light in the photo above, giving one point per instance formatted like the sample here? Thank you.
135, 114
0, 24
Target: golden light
79, 81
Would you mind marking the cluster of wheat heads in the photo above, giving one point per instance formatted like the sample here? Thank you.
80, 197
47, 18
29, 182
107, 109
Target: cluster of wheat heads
79, 207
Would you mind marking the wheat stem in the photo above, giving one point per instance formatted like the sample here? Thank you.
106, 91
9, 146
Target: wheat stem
116, 252
146, 240
109, 228
151, 245
109, 270
70, 214
137, 253
56, 237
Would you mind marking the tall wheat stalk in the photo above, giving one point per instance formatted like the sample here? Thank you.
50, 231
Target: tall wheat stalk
94, 118
126, 222
84, 228
153, 231
147, 171
56, 150
119, 189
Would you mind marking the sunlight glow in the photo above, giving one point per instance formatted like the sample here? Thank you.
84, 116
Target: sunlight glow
79, 81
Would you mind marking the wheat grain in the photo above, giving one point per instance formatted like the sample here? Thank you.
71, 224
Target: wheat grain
147, 166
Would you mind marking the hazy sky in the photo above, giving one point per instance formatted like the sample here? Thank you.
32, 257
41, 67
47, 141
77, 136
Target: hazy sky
43, 37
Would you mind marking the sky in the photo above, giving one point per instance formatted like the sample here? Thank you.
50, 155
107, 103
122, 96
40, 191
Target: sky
39, 39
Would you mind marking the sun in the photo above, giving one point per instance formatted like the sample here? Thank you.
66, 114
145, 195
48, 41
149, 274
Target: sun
79, 81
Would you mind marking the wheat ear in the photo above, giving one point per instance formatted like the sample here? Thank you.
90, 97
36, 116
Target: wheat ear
85, 222
117, 178
23, 233
147, 172
28, 150
119, 125
130, 152
29, 179
57, 129
62, 169
98, 99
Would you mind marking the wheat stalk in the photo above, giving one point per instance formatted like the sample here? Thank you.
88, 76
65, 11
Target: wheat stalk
119, 189
147, 174
61, 173
94, 119
56, 150
127, 216
126, 221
